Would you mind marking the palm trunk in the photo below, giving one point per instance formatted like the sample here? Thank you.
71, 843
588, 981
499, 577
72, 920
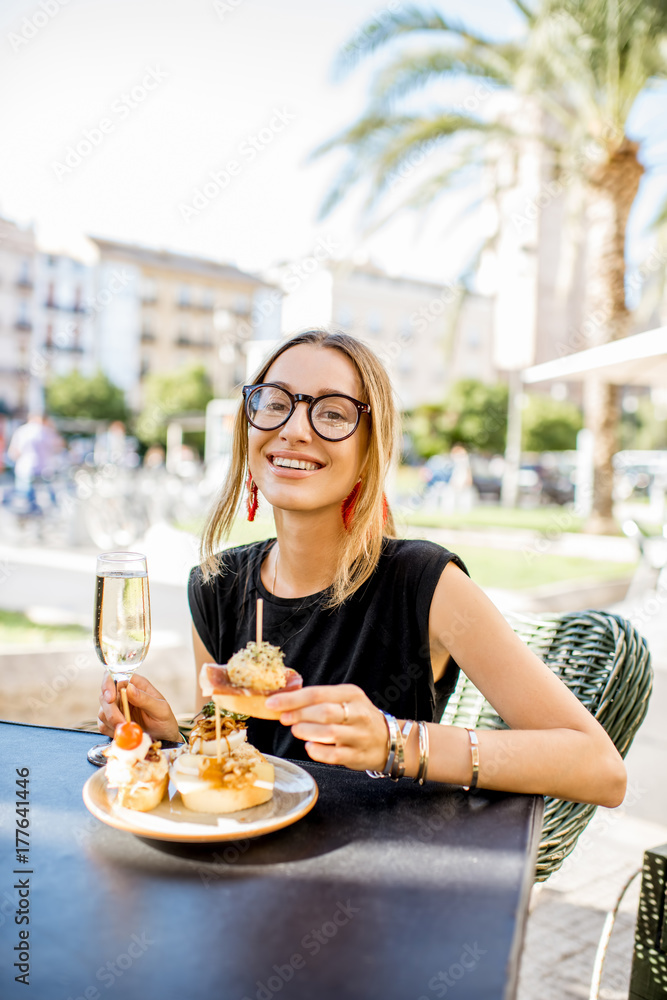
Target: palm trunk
612, 187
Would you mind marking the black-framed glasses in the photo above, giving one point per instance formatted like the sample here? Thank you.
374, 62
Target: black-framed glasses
333, 417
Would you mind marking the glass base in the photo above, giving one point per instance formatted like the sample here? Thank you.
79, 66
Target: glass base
95, 755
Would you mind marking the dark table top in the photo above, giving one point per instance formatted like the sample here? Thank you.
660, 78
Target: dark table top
384, 890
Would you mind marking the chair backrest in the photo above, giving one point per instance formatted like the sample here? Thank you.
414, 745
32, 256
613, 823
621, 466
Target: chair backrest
606, 663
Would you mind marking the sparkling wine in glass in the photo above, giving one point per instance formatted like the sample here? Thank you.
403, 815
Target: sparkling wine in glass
122, 631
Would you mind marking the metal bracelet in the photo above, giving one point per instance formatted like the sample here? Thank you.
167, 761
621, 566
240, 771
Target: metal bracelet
474, 752
399, 768
423, 753
392, 747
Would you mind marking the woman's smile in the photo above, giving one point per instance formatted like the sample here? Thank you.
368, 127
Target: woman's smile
293, 464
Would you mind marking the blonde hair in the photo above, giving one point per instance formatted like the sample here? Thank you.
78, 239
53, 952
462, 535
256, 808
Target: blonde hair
362, 543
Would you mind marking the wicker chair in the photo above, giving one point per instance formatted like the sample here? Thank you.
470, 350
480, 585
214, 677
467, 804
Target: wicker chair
605, 662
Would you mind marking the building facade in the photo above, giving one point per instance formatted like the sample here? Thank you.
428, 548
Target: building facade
158, 311
429, 335
17, 316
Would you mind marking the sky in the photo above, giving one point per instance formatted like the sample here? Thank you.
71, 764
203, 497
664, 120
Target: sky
197, 119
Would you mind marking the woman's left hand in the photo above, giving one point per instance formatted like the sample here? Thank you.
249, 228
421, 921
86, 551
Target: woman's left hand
338, 722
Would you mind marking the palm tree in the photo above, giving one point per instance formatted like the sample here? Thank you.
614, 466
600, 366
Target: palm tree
576, 72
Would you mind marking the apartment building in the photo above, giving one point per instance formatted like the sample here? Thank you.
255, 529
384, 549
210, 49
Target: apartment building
64, 319
428, 334
155, 310
17, 317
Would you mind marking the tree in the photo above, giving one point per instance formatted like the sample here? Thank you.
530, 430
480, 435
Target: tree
473, 414
578, 70
550, 424
94, 398
170, 394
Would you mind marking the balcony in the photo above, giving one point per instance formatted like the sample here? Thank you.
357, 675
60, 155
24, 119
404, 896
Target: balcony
76, 307
23, 324
147, 337
24, 282
65, 348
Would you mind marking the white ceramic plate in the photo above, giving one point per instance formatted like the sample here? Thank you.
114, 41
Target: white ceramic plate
294, 794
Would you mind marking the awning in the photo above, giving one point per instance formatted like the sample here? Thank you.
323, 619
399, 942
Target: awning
638, 360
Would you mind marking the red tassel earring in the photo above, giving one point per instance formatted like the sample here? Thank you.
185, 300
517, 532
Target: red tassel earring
252, 501
348, 505
350, 501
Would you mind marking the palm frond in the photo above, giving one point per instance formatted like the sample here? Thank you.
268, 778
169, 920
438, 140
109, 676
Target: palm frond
414, 70
389, 175
387, 25
525, 10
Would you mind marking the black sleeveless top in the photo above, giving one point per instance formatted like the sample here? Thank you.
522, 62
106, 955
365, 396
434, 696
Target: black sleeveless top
378, 639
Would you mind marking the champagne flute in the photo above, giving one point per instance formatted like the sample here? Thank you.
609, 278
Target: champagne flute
122, 631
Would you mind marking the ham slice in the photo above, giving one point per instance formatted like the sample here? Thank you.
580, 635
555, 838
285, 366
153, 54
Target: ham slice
214, 679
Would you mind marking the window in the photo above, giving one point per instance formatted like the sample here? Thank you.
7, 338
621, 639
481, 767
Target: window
184, 299
242, 304
24, 273
148, 290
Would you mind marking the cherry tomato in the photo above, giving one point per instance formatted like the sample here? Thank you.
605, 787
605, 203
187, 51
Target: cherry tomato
128, 735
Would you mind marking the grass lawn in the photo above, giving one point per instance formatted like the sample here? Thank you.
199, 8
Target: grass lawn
16, 628
505, 568
517, 570
544, 519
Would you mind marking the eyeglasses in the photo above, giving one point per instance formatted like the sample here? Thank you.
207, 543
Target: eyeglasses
333, 417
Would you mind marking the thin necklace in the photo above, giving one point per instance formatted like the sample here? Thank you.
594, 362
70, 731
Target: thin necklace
275, 571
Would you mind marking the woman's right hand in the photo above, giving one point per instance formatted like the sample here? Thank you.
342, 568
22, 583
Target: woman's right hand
147, 707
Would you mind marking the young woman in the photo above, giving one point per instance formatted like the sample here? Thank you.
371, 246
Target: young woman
375, 624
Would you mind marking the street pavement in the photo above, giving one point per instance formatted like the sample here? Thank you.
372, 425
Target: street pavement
567, 912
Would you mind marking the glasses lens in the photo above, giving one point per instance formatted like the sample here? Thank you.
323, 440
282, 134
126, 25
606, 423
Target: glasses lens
268, 407
335, 417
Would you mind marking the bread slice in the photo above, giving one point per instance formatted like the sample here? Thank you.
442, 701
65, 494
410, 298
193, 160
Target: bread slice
246, 704
142, 796
205, 786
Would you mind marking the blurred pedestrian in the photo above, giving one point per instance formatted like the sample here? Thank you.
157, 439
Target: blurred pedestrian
460, 481
33, 449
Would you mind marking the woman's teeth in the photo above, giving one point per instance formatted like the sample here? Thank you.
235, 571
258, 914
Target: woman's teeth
291, 463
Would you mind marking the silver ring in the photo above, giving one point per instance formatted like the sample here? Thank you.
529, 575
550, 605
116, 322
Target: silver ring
345, 713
